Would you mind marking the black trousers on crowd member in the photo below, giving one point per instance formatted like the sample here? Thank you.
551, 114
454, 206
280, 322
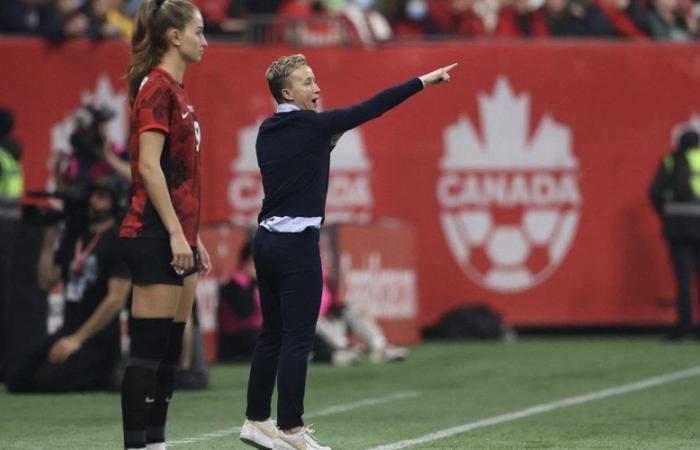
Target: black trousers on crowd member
8, 230
685, 255
89, 369
288, 269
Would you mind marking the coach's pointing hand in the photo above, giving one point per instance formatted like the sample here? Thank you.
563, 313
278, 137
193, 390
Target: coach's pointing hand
438, 76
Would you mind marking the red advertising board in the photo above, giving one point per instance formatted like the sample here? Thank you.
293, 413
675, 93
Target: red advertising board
525, 178
223, 243
376, 270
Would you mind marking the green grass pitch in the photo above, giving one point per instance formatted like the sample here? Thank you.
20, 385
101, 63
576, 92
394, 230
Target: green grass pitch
441, 386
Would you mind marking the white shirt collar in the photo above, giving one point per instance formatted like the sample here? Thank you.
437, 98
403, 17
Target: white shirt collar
287, 107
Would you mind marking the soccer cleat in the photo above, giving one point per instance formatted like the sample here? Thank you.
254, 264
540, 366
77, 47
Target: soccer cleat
303, 440
389, 353
260, 435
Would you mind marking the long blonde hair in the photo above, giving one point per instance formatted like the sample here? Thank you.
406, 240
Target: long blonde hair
149, 42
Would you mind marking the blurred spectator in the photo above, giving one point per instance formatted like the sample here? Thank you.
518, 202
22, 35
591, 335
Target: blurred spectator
675, 194
336, 6
107, 21
131, 7
84, 353
69, 20
11, 191
464, 21
306, 22
518, 19
621, 15
260, 14
574, 18
26, 16
55, 20
239, 314
667, 21
61, 19
368, 25
412, 19
338, 323
224, 17
263, 7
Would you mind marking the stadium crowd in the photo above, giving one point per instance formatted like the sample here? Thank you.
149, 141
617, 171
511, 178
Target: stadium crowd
369, 22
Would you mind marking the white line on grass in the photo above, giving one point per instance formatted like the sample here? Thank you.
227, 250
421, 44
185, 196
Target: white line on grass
545, 407
324, 412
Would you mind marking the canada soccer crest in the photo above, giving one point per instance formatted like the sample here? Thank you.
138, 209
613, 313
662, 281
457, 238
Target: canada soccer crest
510, 196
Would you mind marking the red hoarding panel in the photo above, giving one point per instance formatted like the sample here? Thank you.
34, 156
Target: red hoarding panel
525, 177
223, 243
377, 274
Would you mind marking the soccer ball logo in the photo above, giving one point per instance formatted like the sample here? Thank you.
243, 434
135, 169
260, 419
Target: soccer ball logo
511, 202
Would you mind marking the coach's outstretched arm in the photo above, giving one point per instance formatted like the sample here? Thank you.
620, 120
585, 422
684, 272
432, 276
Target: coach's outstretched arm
340, 120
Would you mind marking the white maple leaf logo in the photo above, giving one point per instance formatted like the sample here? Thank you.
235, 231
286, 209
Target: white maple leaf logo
505, 119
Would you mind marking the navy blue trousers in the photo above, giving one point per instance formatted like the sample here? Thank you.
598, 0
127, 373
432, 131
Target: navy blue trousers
288, 267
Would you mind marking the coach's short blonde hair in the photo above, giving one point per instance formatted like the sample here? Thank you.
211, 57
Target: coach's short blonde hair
278, 72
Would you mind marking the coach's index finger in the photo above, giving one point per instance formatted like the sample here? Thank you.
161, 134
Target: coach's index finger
450, 67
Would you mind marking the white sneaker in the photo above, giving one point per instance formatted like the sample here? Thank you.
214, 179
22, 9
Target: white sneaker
345, 357
388, 353
260, 435
303, 440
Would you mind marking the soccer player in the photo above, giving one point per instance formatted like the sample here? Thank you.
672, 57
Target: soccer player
160, 233
293, 150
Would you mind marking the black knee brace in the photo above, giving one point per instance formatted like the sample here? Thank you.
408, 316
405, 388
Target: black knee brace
149, 341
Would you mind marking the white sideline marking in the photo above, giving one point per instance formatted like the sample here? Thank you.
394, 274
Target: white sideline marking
545, 407
324, 412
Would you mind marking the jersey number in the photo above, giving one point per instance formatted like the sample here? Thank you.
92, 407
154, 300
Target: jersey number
197, 134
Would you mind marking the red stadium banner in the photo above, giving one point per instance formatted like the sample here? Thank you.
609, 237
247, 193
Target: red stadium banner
525, 177
377, 274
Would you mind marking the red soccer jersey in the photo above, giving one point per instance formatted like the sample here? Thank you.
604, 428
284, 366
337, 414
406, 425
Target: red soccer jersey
161, 104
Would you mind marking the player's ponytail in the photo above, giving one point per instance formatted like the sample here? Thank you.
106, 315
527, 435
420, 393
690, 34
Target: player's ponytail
149, 41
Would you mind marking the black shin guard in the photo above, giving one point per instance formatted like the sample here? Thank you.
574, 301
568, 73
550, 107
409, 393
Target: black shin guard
149, 343
165, 377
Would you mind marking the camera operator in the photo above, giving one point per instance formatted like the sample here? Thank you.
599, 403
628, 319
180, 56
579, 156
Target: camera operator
93, 155
83, 354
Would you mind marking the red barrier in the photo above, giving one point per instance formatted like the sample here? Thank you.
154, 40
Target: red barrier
525, 177
223, 243
376, 270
